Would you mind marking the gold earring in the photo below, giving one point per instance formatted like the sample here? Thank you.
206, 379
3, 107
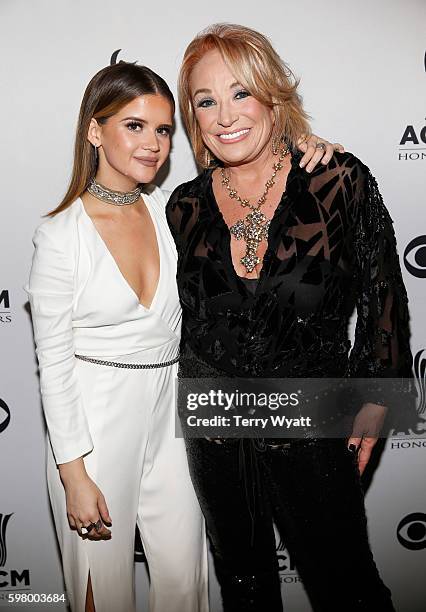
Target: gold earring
207, 157
274, 145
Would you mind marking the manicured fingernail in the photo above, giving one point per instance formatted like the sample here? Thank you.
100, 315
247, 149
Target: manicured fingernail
352, 448
302, 164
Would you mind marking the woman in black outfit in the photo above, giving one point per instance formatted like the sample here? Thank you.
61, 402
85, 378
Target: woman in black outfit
279, 306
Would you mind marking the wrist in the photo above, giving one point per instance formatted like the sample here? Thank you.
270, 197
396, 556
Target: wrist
72, 471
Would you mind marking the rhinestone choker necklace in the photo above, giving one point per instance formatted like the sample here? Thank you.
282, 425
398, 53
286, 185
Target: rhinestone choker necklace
118, 198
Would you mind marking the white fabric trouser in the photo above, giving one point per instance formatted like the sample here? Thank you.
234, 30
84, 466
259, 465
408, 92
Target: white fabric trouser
141, 469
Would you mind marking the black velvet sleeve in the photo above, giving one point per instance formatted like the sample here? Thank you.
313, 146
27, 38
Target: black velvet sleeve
181, 213
382, 336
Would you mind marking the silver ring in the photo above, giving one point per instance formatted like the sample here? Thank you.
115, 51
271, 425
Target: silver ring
96, 526
320, 145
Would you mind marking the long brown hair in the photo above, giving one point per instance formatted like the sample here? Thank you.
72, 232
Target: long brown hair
257, 66
109, 90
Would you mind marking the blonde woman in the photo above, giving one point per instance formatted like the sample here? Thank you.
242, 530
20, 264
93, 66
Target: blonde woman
272, 262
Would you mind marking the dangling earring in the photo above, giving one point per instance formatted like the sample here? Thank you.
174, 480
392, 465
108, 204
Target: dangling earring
207, 157
274, 145
96, 153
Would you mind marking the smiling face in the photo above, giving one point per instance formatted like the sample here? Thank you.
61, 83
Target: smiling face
234, 125
134, 143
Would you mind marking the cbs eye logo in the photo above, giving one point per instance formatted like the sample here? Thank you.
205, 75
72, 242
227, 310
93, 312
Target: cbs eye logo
415, 257
4, 415
411, 531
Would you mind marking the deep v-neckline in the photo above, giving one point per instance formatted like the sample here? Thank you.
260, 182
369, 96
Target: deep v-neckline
114, 261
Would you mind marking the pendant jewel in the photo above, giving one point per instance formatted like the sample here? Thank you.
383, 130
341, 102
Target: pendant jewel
255, 226
250, 230
238, 229
250, 260
256, 217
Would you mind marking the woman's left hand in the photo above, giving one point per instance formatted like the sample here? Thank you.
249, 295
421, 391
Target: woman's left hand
367, 425
314, 153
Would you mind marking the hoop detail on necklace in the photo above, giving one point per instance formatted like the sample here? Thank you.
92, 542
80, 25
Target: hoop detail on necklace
255, 226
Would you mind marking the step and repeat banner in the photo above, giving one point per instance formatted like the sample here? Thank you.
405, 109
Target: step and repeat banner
363, 79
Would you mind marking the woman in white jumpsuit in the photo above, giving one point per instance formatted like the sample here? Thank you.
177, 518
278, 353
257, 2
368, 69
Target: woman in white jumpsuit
93, 338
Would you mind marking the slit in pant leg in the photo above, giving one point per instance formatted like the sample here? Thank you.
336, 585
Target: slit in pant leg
90, 604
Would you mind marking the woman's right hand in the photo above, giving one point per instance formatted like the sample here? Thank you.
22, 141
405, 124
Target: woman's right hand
85, 503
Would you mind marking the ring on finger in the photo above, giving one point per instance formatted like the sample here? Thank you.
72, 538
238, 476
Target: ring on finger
96, 526
320, 145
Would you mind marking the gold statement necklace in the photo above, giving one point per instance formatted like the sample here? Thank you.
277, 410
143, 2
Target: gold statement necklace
254, 227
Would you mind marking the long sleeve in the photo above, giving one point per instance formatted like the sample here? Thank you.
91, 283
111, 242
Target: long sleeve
382, 336
181, 213
51, 294
174, 217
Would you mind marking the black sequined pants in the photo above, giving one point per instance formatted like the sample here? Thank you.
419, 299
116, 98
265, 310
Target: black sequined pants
311, 490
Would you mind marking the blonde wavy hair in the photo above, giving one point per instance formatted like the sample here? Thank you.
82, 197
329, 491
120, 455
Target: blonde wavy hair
257, 66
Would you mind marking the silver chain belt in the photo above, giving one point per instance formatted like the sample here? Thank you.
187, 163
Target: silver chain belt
130, 366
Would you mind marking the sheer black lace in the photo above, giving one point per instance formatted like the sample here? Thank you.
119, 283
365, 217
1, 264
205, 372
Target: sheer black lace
331, 248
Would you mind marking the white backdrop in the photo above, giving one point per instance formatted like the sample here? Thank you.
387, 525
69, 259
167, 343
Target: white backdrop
363, 80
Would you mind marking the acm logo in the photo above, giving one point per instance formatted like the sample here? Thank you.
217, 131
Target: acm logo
17, 579
419, 377
412, 136
4, 519
411, 144
420, 374
5, 314
286, 567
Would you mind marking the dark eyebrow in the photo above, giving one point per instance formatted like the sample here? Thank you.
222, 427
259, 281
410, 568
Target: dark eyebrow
134, 119
139, 120
236, 84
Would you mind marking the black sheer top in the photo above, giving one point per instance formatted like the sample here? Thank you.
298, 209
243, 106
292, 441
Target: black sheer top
331, 248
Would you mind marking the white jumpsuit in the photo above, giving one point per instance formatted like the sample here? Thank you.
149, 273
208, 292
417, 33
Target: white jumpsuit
121, 420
